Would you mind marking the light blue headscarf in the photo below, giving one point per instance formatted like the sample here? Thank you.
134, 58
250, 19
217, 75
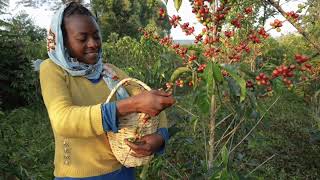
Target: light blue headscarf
60, 56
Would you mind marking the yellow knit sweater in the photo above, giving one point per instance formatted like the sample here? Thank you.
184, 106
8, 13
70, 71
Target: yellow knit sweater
74, 107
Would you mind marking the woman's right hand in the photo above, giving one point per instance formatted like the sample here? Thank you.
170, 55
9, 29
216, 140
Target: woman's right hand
153, 102
149, 102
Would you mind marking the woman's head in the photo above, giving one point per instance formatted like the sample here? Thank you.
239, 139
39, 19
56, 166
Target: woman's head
81, 33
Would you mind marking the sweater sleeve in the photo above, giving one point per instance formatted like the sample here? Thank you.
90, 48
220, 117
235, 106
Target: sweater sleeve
109, 117
165, 135
67, 119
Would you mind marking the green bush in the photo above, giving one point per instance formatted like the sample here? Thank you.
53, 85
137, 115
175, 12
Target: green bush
20, 43
26, 144
144, 59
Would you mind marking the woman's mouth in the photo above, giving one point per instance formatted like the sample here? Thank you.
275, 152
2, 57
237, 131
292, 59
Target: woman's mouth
92, 52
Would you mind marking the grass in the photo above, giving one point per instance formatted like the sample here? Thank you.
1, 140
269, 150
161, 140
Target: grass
287, 134
26, 144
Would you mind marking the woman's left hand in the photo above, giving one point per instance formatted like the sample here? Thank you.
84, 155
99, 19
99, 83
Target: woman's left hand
146, 145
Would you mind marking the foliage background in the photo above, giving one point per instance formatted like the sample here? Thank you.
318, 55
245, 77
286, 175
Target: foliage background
289, 132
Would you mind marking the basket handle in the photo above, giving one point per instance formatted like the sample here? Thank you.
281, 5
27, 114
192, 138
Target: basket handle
145, 86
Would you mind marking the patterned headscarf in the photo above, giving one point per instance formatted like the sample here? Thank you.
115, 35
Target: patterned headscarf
59, 55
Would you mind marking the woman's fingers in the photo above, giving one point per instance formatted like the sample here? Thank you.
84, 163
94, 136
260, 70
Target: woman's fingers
168, 100
153, 102
139, 148
165, 98
160, 93
139, 155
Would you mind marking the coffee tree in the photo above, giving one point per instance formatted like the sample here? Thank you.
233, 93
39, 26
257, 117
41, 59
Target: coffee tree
228, 69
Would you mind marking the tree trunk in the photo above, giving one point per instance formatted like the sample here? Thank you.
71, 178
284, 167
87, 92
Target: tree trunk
212, 124
212, 127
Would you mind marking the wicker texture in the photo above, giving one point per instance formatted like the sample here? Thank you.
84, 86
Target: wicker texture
129, 127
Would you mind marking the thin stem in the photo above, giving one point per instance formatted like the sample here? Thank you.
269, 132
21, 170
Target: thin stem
175, 169
232, 132
260, 165
225, 118
182, 108
205, 144
255, 124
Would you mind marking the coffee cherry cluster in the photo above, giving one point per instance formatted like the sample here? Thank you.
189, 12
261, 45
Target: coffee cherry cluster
192, 58
249, 84
276, 24
248, 10
166, 41
292, 16
306, 67
263, 80
262, 32
236, 22
211, 52
179, 83
201, 11
221, 13
254, 38
198, 38
201, 68
203, 14
235, 57
162, 13
188, 30
209, 40
169, 86
181, 51
225, 73
284, 71
174, 20
301, 58
229, 34
242, 47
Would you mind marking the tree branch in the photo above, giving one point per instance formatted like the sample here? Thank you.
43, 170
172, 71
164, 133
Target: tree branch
294, 24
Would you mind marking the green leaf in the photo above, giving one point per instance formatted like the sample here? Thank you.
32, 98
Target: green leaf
240, 81
202, 101
195, 123
217, 75
157, 64
194, 80
177, 4
225, 156
178, 72
224, 174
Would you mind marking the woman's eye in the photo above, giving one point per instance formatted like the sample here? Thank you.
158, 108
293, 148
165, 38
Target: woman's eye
81, 39
96, 37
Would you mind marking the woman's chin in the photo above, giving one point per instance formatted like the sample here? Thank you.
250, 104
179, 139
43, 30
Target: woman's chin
91, 59
92, 62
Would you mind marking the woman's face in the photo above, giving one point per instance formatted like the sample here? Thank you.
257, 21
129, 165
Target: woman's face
83, 39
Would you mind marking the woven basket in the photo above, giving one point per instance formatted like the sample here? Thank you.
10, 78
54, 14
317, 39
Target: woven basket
129, 127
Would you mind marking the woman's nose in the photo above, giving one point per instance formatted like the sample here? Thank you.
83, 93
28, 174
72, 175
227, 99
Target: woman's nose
93, 43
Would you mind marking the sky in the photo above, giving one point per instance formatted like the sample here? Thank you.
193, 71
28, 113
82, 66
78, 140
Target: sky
42, 17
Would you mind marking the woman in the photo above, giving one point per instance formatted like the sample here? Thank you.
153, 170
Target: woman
74, 85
